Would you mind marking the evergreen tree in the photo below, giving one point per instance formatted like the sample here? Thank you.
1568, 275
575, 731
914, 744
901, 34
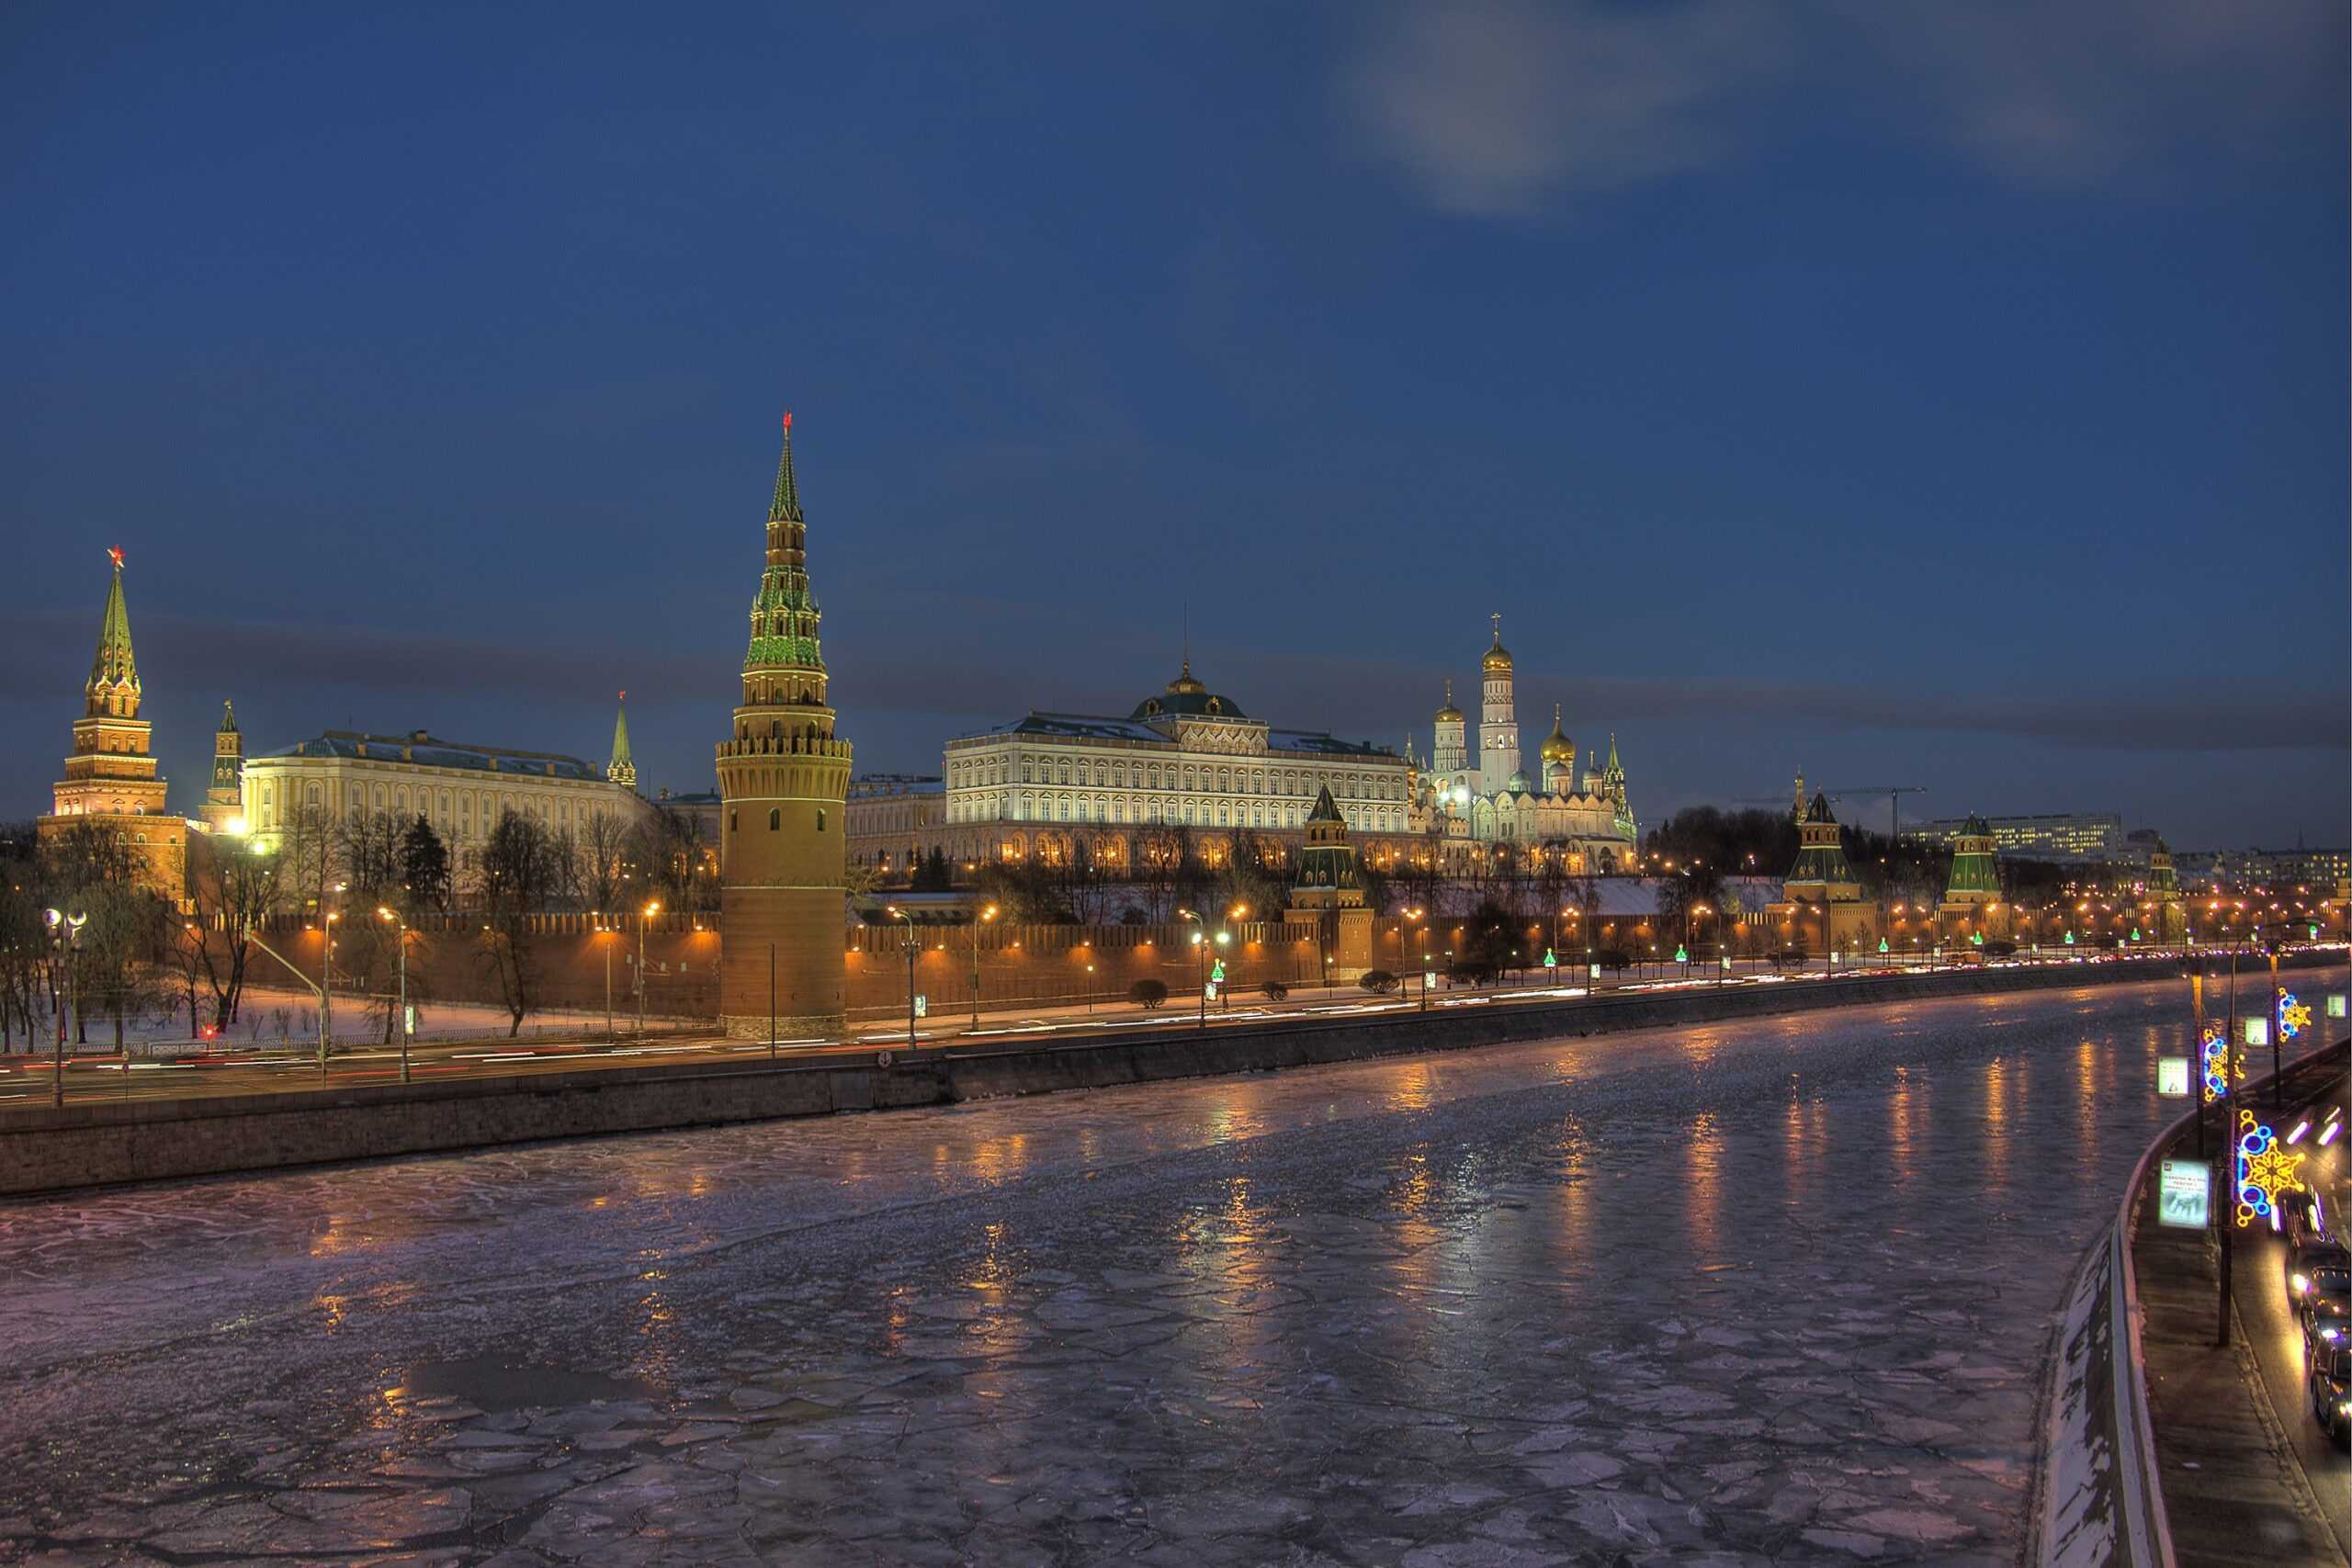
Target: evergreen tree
425, 866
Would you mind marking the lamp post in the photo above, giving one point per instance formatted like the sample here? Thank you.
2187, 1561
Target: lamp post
65, 941
979, 918
1223, 939
907, 943
606, 931
1200, 947
651, 910
326, 980
399, 1019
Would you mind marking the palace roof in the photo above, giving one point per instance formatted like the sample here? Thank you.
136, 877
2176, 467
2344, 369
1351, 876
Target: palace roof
1133, 732
422, 750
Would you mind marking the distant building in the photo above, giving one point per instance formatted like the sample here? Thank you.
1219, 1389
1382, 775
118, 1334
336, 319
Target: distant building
2058, 836
2318, 870
894, 820
224, 802
111, 778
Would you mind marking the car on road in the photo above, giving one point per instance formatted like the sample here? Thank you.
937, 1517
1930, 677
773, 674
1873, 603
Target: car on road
2330, 1391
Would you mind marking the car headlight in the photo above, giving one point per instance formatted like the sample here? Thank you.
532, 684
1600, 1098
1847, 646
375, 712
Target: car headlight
2302, 1283
2331, 1334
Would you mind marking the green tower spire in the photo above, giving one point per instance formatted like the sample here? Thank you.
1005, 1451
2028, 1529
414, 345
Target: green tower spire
622, 769
786, 507
113, 687
785, 612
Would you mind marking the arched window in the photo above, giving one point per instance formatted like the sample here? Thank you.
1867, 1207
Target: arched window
730, 818
820, 819
775, 818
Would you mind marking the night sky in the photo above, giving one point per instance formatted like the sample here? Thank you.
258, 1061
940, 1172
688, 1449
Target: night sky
1946, 395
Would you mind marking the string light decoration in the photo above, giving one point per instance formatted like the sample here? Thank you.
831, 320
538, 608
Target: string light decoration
2265, 1170
2217, 1062
2294, 1017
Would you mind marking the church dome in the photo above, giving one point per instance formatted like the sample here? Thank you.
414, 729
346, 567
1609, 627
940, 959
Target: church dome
1185, 685
1185, 696
1498, 658
1448, 713
1558, 747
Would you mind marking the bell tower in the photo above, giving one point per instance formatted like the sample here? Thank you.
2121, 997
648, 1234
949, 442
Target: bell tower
782, 779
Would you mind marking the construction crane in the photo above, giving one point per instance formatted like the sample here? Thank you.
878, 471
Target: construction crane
1894, 793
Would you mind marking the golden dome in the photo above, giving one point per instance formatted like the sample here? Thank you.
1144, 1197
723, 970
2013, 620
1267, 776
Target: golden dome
1448, 713
1498, 658
1184, 685
1558, 747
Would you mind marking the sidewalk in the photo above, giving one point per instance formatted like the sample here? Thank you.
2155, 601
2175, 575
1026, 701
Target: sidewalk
2234, 1491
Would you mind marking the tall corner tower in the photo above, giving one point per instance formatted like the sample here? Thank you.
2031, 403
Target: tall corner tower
622, 769
110, 779
1497, 721
224, 799
782, 777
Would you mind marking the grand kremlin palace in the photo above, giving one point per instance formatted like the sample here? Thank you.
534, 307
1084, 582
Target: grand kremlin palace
1185, 759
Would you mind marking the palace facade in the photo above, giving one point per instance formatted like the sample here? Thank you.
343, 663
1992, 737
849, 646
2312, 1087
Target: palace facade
1186, 760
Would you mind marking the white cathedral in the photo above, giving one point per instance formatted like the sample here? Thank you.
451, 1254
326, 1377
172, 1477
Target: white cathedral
1490, 799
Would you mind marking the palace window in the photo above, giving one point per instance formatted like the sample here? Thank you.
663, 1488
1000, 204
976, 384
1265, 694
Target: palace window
820, 819
775, 818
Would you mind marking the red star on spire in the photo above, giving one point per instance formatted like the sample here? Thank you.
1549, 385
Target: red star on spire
788, 419
116, 555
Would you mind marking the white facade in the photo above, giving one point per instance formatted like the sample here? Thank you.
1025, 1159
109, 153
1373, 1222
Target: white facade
1188, 757
461, 790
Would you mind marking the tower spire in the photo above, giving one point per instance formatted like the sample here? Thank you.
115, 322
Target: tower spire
113, 687
786, 507
622, 769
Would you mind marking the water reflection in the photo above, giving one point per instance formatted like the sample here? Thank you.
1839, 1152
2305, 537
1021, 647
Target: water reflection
1900, 1119
1703, 1184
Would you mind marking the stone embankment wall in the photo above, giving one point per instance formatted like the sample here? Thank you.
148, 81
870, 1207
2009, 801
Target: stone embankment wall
81, 1146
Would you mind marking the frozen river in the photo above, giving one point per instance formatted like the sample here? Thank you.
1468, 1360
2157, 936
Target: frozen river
1775, 1290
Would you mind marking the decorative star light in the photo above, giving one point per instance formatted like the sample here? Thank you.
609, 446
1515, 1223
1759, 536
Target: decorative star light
2265, 1170
2294, 1017
2217, 1063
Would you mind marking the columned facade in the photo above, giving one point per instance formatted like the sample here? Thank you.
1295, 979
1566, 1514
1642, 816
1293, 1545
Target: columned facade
782, 777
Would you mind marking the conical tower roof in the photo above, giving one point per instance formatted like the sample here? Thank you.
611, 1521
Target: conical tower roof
228, 717
786, 507
622, 769
1326, 808
1819, 810
115, 670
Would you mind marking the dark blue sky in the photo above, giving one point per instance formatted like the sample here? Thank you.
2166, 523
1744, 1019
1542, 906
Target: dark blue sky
1950, 396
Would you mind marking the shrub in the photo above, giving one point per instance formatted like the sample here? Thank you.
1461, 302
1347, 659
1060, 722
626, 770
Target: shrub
1149, 993
1790, 955
1274, 990
1379, 982
1613, 958
1471, 972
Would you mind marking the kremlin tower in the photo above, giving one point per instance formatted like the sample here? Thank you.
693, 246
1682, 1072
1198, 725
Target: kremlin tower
224, 802
622, 769
782, 779
110, 777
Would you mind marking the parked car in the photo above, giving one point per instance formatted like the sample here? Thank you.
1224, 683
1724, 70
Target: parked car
2330, 1391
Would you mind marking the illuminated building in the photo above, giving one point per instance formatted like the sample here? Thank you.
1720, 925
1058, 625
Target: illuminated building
1493, 801
783, 776
2058, 836
347, 776
1821, 898
1330, 894
111, 778
1186, 760
895, 819
224, 802
1972, 897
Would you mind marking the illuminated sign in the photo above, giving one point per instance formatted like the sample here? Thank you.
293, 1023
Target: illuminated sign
2172, 1076
2184, 1193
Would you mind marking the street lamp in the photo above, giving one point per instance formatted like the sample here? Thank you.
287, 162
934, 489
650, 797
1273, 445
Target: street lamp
401, 1018
908, 944
64, 940
979, 919
651, 910
1200, 946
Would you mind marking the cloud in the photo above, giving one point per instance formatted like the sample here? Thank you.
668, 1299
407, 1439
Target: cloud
1492, 108
1497, 108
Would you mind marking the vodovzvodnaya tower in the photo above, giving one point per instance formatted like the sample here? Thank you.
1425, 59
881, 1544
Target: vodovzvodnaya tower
782, 777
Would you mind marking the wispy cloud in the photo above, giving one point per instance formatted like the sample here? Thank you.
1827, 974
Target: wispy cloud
1496, 106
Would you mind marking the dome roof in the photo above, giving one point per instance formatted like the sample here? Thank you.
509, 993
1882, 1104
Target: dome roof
1498, 658
1186, 695
1558, 747
1448, 713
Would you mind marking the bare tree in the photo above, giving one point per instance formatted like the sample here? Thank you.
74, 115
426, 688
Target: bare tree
367, 844
308, 845
603, 846
517, 881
